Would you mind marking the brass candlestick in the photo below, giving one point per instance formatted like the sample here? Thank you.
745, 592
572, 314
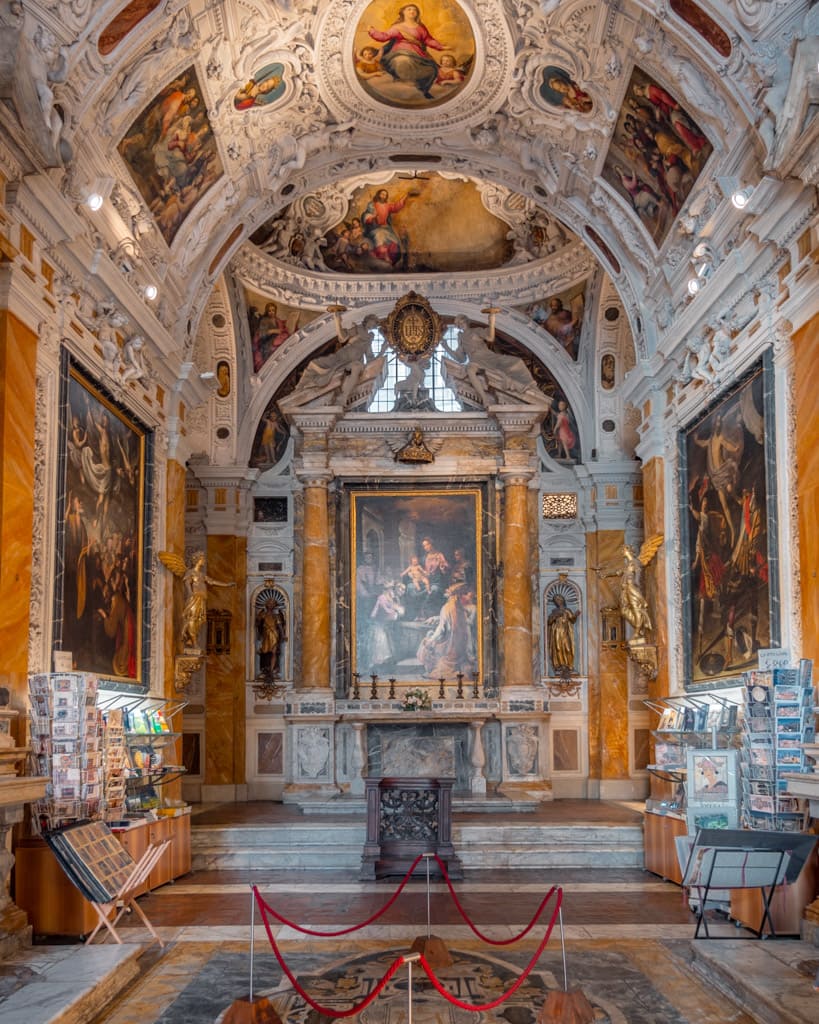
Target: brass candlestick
441, 690
460, 690
356, 686
374, 687
392, 687
475, 691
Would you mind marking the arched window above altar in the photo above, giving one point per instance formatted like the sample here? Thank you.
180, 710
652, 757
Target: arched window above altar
418, 386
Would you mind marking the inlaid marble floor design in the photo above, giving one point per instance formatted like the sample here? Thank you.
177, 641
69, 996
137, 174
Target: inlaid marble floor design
628, 935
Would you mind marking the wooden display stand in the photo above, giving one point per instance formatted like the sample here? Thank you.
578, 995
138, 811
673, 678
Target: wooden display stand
56, 907
660, 831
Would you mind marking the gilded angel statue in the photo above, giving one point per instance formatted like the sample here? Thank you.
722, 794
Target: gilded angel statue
196, 583
633, 603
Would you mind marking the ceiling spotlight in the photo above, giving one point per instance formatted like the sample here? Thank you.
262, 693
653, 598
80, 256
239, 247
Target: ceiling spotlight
150, 292
694, 285
94, 201
742, 197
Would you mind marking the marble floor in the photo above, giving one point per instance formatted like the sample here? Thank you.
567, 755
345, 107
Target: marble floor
628, 940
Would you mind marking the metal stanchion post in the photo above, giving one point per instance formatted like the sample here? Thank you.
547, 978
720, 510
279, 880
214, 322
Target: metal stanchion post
409, 960
433, 948
564, 1006
252, 931
563, 950
250, 1011
427, 857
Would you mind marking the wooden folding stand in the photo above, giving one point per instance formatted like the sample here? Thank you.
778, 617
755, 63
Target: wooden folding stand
124, 901
105, 873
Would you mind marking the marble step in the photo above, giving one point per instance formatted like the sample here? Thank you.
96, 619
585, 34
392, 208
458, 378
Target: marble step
315, 845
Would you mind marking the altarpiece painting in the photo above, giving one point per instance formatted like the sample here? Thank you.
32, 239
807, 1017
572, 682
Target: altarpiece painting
416, 575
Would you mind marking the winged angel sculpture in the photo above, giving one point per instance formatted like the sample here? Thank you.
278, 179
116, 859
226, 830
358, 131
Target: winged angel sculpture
196, 583
633, 603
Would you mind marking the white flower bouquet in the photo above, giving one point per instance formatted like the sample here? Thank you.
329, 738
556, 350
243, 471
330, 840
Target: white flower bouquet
417, 700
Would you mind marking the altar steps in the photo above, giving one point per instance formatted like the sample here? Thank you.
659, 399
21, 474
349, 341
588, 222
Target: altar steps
338, 844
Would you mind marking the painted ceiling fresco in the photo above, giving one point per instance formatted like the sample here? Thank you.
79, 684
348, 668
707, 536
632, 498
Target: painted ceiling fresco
561, 314
421, 223
656, 154
413, 57
170, 151
271, 323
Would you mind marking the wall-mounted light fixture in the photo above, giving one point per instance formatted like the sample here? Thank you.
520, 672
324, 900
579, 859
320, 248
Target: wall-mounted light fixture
150, 292
94, 201
741, 197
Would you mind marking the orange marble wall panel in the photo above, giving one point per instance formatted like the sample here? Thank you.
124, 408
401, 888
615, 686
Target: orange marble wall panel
654, 522
608, 668
225, 673
174, 541
806, 395
18, 353
614, 713
517, 592
315, 625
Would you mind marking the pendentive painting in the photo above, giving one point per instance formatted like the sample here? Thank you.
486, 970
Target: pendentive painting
416, 582
413, 56
729, 533
271, 323
561, 314
100, 605
170, 151
417, 224
657, 152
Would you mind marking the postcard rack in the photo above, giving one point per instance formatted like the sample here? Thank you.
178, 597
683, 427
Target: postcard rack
778, 722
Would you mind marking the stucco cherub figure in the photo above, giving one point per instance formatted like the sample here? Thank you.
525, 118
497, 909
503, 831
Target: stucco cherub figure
196, 583
633, 603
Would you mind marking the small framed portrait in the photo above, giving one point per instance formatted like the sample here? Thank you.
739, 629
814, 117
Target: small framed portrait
712, 776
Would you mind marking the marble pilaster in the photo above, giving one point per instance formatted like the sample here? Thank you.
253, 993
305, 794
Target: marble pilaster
655, 575
806, 401
174, 541
517, 587
18, 352
225, 672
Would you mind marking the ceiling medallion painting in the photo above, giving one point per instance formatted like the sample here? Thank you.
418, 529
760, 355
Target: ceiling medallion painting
264, 88
171, 153
656, 154
409, 57
559, 89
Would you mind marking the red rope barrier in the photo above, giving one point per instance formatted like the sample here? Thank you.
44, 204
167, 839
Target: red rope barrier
325, 1010
481, 936
344, 931
496, 1002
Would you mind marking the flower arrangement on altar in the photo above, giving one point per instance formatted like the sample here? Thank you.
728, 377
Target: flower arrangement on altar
417, 700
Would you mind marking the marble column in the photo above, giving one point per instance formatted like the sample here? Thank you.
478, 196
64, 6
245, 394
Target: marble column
315, 618
517, 585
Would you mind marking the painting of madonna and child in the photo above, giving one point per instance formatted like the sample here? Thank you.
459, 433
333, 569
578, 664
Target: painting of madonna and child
416, 583
412, 56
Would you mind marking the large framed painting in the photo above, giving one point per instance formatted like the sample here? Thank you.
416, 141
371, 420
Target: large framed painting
101, 599
416, 575
729, 549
